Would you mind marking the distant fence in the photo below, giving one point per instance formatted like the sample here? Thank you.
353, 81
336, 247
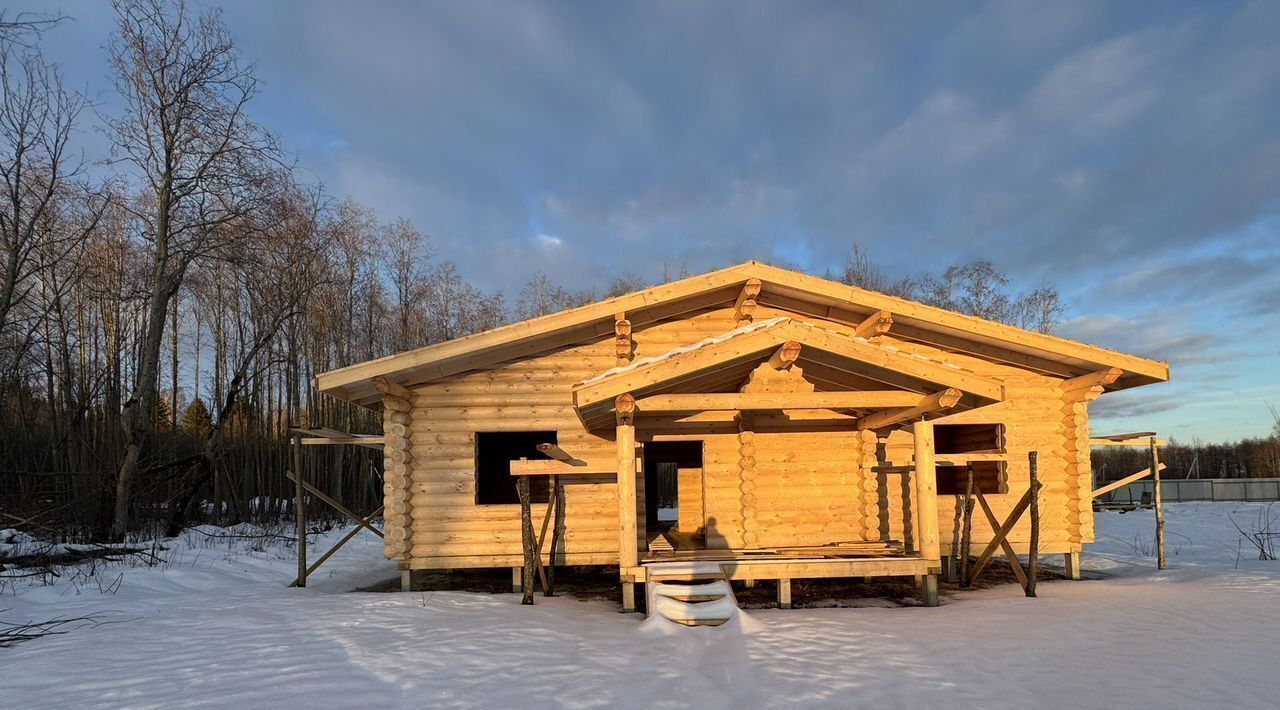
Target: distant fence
1191, 489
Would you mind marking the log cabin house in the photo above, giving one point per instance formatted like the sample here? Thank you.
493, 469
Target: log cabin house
752, 423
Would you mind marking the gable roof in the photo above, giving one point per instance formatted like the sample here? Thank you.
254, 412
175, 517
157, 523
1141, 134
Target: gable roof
780, 288
730, 356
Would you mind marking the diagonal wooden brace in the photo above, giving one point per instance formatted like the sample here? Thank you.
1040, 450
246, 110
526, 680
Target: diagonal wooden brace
537, 549
1002, 533
337, 506
352, 533
1009, 554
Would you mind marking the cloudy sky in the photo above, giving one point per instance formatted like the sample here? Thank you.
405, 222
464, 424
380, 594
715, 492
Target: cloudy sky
1126, 152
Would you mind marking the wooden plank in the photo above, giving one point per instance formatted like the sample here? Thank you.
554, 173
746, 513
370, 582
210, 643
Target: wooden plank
1123, 482
736, 401
967, 458
1144, 435
555, 452
820, 569
370, 441
1113, 442
550, 467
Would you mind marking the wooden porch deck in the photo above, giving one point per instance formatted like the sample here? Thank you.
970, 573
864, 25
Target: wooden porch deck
860, 559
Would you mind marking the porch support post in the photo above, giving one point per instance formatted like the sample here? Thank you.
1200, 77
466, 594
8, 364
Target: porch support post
1071, 565
406, 580
628, 547
784, 593
926, 506
929, 590
300, 510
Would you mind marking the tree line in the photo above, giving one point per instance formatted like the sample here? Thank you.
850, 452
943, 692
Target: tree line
1251, 457
165, 307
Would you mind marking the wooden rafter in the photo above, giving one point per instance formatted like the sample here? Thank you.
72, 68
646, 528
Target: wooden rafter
744, 307
938, 401
877, 323
730, 402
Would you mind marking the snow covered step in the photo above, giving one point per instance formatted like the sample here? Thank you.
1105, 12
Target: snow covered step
686, 571
693, 593
711, 613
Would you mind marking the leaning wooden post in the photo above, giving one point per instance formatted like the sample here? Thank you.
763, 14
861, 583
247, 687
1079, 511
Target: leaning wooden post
966, 532
299, 509
1032, 554
526, 536
628, 546
926, 505
1155, 479
556, 501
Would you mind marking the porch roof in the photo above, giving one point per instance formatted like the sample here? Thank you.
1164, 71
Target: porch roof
854, 373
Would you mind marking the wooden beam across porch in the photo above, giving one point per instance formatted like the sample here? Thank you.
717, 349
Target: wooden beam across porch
736, 401
946, 399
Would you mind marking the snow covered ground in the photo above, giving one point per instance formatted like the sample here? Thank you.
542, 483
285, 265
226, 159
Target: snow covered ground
215, 626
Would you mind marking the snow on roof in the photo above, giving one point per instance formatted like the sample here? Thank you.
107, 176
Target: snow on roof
707, 342
752, 328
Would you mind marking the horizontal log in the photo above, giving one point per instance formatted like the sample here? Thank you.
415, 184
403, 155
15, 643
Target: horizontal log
684, 403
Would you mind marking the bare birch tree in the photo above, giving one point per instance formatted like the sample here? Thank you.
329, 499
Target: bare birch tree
202, 163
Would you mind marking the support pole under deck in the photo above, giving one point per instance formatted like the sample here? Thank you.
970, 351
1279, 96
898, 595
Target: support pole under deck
926, 506
628, 550
299, 510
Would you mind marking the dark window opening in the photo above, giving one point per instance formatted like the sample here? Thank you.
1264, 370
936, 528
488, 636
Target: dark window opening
988, 478
965, 438
494, 452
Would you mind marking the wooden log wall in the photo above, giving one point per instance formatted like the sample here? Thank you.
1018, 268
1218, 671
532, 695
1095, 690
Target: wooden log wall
868, 451
805, 487
396, 479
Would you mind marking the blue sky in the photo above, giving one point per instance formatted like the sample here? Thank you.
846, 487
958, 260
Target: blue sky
1128, 153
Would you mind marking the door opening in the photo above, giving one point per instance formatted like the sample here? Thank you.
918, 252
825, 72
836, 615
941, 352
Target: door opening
673, 487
